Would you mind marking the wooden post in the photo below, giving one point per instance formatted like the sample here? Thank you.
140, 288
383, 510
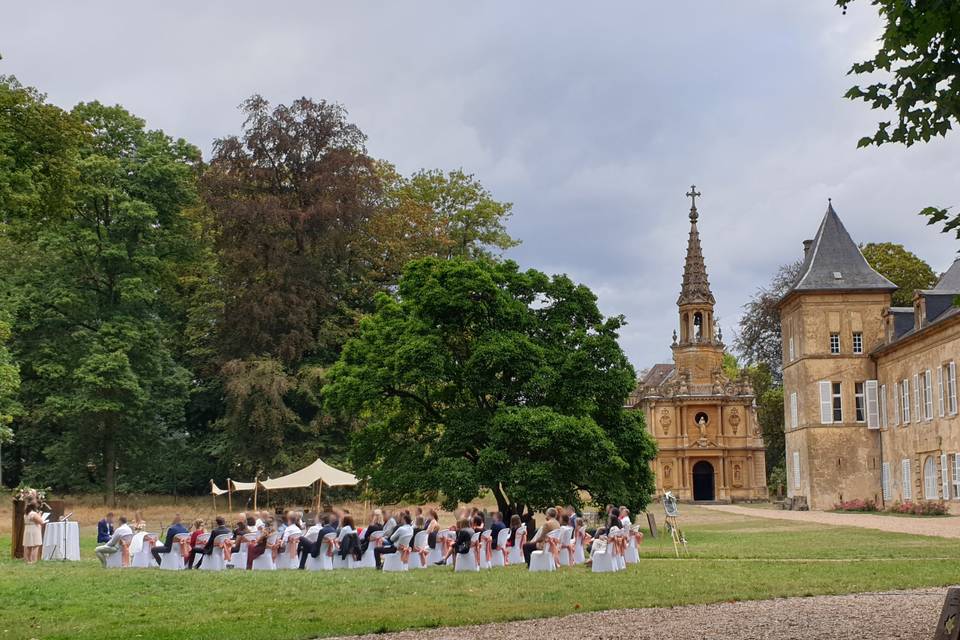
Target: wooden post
256, 486
319, 494
229, 496
16, 536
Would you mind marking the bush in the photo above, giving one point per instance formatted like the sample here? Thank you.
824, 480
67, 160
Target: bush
923, 508
856, 505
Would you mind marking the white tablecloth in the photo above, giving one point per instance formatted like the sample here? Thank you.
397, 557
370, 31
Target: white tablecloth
60, 537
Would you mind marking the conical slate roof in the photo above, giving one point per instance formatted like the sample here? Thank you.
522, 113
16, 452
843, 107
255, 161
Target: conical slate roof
696, 285
834, 261
950, 281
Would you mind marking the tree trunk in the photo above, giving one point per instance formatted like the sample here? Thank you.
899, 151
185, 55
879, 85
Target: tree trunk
110, 471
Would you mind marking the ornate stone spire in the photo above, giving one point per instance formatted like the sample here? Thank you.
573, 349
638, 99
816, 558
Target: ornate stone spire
696, 285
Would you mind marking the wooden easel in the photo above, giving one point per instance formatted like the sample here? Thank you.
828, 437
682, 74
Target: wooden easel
673, 523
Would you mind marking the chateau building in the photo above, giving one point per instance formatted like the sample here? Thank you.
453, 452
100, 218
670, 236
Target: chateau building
710, 446
870, 390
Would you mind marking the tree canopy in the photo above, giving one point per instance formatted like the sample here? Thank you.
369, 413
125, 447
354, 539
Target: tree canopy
901, 267
478, 376
759, 340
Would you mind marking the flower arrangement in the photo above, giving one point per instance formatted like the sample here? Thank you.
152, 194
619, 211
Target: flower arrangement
28, 494
862, 506
922, 508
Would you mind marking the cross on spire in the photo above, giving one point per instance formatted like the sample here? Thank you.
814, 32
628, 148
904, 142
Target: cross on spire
693, 194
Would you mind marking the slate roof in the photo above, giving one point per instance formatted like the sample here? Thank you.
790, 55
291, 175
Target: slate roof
834, 261
950, 280
658, 374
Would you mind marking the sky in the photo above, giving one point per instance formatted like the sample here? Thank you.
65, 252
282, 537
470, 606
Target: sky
593, 119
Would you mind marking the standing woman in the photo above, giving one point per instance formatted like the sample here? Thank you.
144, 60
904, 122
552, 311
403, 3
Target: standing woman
32, 536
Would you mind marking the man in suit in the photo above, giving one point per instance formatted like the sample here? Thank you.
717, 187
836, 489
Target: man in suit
112, 545
312, 549
572, 514
175, 529
496, 527
207, 549
539, 540
105, 529
405, 529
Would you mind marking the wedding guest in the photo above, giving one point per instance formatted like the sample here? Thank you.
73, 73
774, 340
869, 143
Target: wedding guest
112, 545
32, 533
540, 538
495, 528
173, 531
198, 531
515, 524
138, 524
220, 530
312, 549
258, 548
390, 544
105, 528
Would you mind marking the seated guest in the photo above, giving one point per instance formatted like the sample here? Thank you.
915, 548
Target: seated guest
312, 549
173, 531
433, 528
515, 524
390, 544
572, 515
612, 522
496, 527
292, 529
112, 545
198, 531
375, 524
625, 518
138, 524
530, 523
347, 540
389, 524
461, 543
105, 529
259, 547
540, 538
207, 549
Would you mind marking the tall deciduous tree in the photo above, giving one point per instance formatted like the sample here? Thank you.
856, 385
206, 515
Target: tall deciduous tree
93, 332
915, 74
481, 377
758, 340
901, 267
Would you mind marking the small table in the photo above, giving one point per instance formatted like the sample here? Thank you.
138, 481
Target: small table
61, 541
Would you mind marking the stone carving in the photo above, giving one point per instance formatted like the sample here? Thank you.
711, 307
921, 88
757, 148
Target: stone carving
667, 476
665, 421
737, 476
735, 420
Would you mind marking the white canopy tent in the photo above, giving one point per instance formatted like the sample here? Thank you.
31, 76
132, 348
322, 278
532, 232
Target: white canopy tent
316, 474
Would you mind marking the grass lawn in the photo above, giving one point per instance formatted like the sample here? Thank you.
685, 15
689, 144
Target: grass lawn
731, 558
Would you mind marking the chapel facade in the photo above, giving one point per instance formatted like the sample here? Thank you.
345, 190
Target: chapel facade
710, 447
870, 390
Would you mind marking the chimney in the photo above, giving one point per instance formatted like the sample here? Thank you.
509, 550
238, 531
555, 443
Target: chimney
806, 247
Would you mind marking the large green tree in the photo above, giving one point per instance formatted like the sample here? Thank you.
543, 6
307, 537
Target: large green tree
915, 77
903, 268
758, 340
479, 376
93, 333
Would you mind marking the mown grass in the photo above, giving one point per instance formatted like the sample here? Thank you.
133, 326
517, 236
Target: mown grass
737, 558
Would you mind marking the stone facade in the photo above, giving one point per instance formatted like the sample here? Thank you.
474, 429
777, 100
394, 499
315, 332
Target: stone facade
847, 354
705, 425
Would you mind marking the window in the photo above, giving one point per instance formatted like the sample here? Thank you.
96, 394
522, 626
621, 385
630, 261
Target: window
952, 387
834, 343
896, 403
885, 480
905, 401
796, 469
943, 400
944, 476
794, 411
792, 351
858, 342
928, 394
956, 476
916, 398
883, 406
907, 480
930, 479
837, 402
859, 402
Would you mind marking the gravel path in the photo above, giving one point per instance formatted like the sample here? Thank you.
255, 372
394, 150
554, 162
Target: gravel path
900, 615
945, 527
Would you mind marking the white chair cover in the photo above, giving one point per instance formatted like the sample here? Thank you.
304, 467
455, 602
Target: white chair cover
468, 561
601, 553
394, 561
566, 540
542, 559
142, 558
115, 560
436, 554
323, 561
417, 559
265, 561
173, 561
516, 551
498, 559
578, 557
289, 558
367, 561
214, 561
633, 554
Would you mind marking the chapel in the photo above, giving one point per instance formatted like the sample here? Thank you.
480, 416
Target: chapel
710, 446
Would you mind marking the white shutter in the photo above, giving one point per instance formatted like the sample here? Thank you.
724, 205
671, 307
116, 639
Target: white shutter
873, 405
796, 469
826, 403
885, 480
896, 403
928, 395
907, 480
916, 397
956, 476
953, 388
883, 406
944, 477
940, 388
905, 400
794, 411
792, 351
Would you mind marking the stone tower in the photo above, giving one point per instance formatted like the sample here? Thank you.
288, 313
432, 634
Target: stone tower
705, 424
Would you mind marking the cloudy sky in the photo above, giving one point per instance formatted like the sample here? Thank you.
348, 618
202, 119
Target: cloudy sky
593, 119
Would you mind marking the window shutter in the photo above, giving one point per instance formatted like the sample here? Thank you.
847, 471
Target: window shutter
796, 469
916, 397
826, 403
953, 388
792, 351
944, 477
940, 389
883, 406
873, 406
794, 411
928, 395
956, 476
885, 479
907, 480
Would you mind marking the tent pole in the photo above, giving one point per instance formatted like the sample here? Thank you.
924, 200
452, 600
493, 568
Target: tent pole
319, 494
229, 496
256, 485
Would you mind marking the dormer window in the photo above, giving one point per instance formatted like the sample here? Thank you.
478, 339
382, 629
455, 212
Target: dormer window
837, 275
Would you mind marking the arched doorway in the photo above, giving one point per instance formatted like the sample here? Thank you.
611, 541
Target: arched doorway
703, 481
